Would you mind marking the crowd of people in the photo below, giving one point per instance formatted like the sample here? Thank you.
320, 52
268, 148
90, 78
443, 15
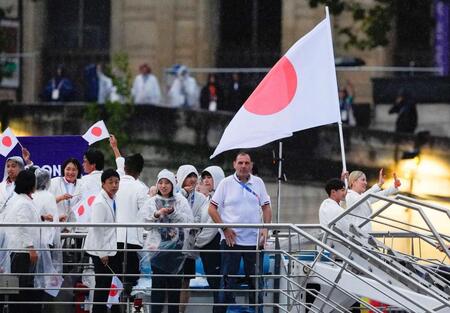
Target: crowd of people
29, 195
181, 89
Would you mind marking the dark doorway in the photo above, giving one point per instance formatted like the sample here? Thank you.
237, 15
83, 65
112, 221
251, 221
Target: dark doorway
250, 33
78, 33
414, 30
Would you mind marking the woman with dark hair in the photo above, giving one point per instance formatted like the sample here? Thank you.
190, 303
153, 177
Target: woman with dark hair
13, 166
22, 241
67, 189
166, 207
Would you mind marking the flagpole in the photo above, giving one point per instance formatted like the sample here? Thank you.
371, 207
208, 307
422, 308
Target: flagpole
341, 134
275, 233
344, 163
280, 174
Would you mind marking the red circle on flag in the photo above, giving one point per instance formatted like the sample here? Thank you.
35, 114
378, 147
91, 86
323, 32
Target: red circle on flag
96, 131
275, 91
80, 210
6, 141
54, 281
113, 291
90, 200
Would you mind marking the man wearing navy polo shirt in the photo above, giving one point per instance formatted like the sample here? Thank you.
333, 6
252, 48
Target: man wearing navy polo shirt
240, 198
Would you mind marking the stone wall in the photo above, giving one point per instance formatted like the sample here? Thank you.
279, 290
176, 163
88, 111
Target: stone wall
163, 33
169, 137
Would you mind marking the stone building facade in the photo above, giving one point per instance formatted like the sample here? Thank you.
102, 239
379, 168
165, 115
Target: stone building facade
161, 33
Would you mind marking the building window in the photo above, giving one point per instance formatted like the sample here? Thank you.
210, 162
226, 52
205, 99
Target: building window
414, 47
250, 33
78, 33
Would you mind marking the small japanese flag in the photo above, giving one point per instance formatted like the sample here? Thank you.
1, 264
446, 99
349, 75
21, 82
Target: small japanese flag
7, 142
115, 291
83, 209
96, 132
55, 283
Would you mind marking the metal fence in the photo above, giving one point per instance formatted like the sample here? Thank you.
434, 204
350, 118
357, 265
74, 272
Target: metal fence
305, 268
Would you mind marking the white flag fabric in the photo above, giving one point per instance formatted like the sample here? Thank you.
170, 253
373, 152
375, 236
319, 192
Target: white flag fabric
7, 142
298, 93
115, 291
96, 132
52, 281
54, 284
83, 209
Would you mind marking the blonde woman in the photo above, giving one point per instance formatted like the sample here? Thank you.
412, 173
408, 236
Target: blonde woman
357, 183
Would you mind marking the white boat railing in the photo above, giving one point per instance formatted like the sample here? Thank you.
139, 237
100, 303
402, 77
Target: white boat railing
341, 271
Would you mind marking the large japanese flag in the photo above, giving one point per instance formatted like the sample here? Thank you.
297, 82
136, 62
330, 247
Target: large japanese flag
114, 291
7, 142
96, 132
299, 92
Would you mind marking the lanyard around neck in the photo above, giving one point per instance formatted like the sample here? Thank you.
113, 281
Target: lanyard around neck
113, 207
246, 187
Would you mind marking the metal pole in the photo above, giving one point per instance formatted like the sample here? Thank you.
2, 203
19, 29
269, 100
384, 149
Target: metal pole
277, 270
280, 178
341, 140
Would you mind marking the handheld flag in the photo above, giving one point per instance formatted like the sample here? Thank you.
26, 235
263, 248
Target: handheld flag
298, 93
55, 283
7, 142
83, 209
115, 291
96, 132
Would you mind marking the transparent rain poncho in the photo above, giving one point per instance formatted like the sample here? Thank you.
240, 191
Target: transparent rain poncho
5, 261
165, 244
49, 262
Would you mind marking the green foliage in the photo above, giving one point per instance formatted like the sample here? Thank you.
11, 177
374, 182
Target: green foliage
372, 23
114, 114
121, 75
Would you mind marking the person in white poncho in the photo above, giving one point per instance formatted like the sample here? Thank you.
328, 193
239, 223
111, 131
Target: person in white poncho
13, 165
146, 87
209, 238
187, 177
184, 91
166, 207
46, 207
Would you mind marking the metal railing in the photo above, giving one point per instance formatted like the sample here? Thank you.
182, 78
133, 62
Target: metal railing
428, 234
331, 279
